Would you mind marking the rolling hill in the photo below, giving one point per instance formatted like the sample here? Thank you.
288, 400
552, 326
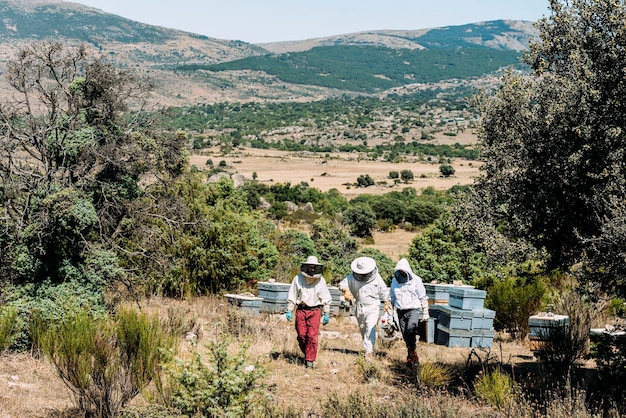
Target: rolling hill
188, 68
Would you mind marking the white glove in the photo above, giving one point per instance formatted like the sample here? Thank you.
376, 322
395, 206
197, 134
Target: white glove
425, 314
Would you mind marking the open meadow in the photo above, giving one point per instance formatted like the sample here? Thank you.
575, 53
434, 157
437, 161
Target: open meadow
340, 170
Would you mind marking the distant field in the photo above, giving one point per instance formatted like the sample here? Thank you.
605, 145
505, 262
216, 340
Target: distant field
341, 170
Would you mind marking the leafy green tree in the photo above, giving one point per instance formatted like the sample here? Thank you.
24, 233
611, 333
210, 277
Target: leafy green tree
442, 253
335, 245
293, 247
446, 170
365, 180
406, 175
390, 207
70, 161
361, 219
554, 145
422, 213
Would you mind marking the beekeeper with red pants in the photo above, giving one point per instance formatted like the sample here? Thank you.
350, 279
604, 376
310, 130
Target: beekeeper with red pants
409, 299
310, 297
365, 289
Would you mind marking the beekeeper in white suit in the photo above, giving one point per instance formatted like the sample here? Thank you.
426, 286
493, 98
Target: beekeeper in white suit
364, 288
408, 297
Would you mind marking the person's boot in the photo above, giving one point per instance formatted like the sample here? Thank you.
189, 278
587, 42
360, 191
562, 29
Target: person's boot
309, 364
412, 359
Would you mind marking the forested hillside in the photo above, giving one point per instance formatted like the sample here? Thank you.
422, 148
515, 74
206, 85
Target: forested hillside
372, 69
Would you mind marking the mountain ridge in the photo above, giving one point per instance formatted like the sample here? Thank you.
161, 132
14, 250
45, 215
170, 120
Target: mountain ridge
159, 52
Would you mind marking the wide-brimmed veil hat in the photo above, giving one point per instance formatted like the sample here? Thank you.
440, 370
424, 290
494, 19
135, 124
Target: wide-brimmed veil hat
364, 269
363, 265
312, 268
313, 261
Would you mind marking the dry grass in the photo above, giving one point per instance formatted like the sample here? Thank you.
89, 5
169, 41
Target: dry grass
341, 170
29, 386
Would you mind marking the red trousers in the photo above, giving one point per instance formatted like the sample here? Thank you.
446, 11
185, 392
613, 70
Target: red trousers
308, 327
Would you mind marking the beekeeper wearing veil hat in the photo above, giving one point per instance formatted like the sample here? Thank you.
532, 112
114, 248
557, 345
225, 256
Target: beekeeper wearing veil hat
309, 295
364, 288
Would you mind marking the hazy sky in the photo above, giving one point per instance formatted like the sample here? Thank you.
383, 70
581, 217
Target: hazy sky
259, 21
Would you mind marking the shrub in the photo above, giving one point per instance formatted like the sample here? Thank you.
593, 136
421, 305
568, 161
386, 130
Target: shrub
361, 219
564, 346
389, 207
51, 303
355, 404
406, 175
433, 375
515, 299
394, 174
495, 388
446, 170
422, 213
105, 362
8, 326
365, 180
225, 386
370, 370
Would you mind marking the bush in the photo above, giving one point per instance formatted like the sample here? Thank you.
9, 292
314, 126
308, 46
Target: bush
225, 387
406, 175
422, 213
495, 388
515, 299
361, 219
446, 170
565, 346
394, 175
370, 370
389, 207
433, 375
50, 303
105, 362
365, 180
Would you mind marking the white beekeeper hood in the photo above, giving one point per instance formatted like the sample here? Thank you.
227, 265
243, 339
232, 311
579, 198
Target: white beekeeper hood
403, 272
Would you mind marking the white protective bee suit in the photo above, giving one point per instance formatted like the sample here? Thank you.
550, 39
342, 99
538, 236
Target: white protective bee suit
408, 297
366, 289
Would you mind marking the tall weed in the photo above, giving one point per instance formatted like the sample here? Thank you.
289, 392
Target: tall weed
495, 388
105, 362
8, 326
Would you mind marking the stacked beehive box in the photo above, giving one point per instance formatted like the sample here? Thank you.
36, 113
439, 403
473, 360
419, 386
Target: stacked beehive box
463, 321
438, 293
274, 297
542, 326
246, 303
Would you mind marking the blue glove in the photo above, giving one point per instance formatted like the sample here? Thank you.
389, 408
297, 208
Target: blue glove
289, 315
326, 318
